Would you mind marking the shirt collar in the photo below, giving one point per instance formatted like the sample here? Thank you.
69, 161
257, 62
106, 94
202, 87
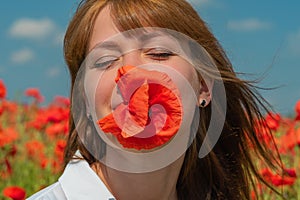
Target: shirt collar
79, 181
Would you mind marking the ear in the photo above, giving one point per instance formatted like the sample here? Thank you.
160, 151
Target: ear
205, 92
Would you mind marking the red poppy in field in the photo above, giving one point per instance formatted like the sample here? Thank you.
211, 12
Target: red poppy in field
35, 93
273, 120
12, 151
57, 114
282, 180
263, 133
57, 129
35, 151
14, 192
39, 120
291, 172
43, 161
298, 136
50, 114
288, 178
34, 148
297, 109
144, 124
57, 161
56, 166
7, 136
1, 109
62, 101
10, 106
59, 149
289, 140
266, 172
2, 90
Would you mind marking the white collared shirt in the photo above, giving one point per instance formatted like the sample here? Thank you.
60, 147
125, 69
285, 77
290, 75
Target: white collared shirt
78, 181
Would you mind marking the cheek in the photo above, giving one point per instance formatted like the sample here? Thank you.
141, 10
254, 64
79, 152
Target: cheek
188, 71
103, 94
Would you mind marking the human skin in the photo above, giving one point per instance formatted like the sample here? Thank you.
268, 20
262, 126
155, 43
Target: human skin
159, 184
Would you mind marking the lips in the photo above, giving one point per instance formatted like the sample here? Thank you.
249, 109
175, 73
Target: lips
151, 112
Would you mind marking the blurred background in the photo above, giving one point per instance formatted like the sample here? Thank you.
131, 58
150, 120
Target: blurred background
261, 38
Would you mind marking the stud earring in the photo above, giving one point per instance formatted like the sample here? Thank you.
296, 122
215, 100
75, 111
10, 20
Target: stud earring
89, 116
203, 103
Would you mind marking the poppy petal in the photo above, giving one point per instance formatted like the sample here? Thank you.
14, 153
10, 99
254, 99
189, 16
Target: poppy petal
151, 113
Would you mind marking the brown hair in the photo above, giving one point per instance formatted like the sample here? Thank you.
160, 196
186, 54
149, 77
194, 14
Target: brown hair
229, 170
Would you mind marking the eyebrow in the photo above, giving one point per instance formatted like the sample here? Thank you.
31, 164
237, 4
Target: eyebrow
148, 36
110, 45
113, 45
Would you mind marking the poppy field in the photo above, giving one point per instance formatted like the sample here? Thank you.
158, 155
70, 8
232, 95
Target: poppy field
33, 138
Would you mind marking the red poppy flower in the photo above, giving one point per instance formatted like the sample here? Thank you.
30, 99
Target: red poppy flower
1, 109
14, 192
291, 172
297, 109
263, 132
56, 129
12, 151
53, 114
7, 136
43, 161
277, 180
56, 114
9, 106
2, 90
62, 101
151, 113
273, 120
34, 148
298, 136
59, 149
35, 93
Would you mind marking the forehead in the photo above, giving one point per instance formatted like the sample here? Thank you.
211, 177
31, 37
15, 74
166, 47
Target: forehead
137, 39
104, 28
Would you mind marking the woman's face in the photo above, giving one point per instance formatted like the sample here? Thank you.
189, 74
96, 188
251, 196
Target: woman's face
141, 87
142, 92
113, 52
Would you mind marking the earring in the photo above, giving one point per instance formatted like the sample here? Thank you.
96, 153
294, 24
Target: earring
89, 116
203, 103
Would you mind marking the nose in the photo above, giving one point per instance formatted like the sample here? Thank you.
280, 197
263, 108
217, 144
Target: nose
133, 58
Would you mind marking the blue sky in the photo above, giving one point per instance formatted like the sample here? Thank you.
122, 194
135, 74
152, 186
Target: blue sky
258, 36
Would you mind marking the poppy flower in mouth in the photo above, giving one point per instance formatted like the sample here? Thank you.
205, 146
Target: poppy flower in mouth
151, 112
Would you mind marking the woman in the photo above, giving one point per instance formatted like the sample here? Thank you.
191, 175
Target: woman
221, 167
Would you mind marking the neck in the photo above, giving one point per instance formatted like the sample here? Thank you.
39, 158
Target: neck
160, 184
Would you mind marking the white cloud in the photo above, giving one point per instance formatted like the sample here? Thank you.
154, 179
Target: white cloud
32, 28
22, 56
248, 25
53, 72
294, 42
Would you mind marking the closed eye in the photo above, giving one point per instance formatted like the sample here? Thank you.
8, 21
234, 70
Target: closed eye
105, 61
159, 54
